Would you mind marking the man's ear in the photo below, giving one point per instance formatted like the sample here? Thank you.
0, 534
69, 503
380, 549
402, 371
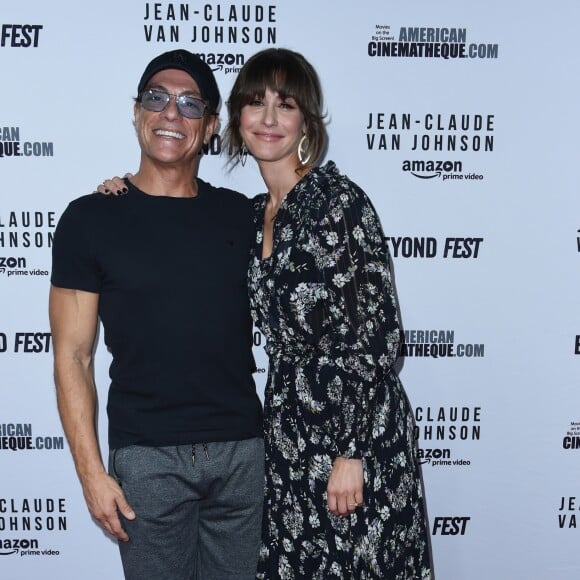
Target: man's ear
136, 110
211, 127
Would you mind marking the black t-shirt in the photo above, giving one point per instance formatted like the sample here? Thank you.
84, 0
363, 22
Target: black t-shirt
171, 277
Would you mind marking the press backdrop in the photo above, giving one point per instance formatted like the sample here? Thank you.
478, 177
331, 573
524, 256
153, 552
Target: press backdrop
460, 120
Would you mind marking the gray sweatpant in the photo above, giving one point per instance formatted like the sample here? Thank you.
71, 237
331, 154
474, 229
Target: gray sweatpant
198, 508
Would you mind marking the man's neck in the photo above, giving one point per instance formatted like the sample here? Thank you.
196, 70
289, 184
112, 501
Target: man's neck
167, 181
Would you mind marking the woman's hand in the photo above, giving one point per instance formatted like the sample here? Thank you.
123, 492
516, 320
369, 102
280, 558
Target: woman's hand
345, 486
114, 186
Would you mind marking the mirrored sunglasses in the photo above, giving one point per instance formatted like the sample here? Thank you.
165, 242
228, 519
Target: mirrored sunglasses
157, 100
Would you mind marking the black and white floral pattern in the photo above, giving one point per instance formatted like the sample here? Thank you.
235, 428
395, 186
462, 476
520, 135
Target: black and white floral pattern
325, 303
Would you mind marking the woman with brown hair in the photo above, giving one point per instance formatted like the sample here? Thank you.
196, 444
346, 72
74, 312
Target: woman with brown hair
343, 486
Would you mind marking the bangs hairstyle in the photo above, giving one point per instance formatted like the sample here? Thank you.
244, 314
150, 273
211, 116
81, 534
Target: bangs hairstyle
289, 74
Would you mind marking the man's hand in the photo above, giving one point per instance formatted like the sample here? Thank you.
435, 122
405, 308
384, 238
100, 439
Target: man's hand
104, 497
345, 486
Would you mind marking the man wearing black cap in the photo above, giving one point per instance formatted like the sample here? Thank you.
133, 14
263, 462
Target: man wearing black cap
164, 267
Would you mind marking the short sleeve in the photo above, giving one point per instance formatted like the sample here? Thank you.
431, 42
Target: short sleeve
73, 262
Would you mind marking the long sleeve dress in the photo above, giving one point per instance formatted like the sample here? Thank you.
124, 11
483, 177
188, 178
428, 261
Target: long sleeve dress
325, 304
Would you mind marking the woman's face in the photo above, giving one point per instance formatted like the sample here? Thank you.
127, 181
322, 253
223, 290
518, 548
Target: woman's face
272, 127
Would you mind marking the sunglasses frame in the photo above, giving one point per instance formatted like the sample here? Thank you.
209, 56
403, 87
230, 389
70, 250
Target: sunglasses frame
179, 102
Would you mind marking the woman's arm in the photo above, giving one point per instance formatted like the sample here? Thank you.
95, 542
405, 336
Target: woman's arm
362, 305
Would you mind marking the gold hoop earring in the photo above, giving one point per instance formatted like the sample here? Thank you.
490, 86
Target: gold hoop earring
243, 154
303, 153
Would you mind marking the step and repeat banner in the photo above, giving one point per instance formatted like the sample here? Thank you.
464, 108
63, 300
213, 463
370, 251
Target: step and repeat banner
460, 121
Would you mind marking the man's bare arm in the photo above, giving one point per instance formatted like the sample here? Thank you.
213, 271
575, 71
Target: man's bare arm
73, 321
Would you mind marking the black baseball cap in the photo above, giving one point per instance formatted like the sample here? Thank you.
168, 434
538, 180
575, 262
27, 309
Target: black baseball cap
186, 61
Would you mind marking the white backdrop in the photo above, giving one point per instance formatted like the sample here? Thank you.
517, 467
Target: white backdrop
472, 165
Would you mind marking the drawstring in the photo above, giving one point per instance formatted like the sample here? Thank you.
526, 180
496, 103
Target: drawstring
204, 445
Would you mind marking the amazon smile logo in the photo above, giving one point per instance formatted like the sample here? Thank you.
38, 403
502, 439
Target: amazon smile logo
431, 169
445, 170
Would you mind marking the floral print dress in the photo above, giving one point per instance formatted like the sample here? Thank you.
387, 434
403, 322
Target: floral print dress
325, 304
